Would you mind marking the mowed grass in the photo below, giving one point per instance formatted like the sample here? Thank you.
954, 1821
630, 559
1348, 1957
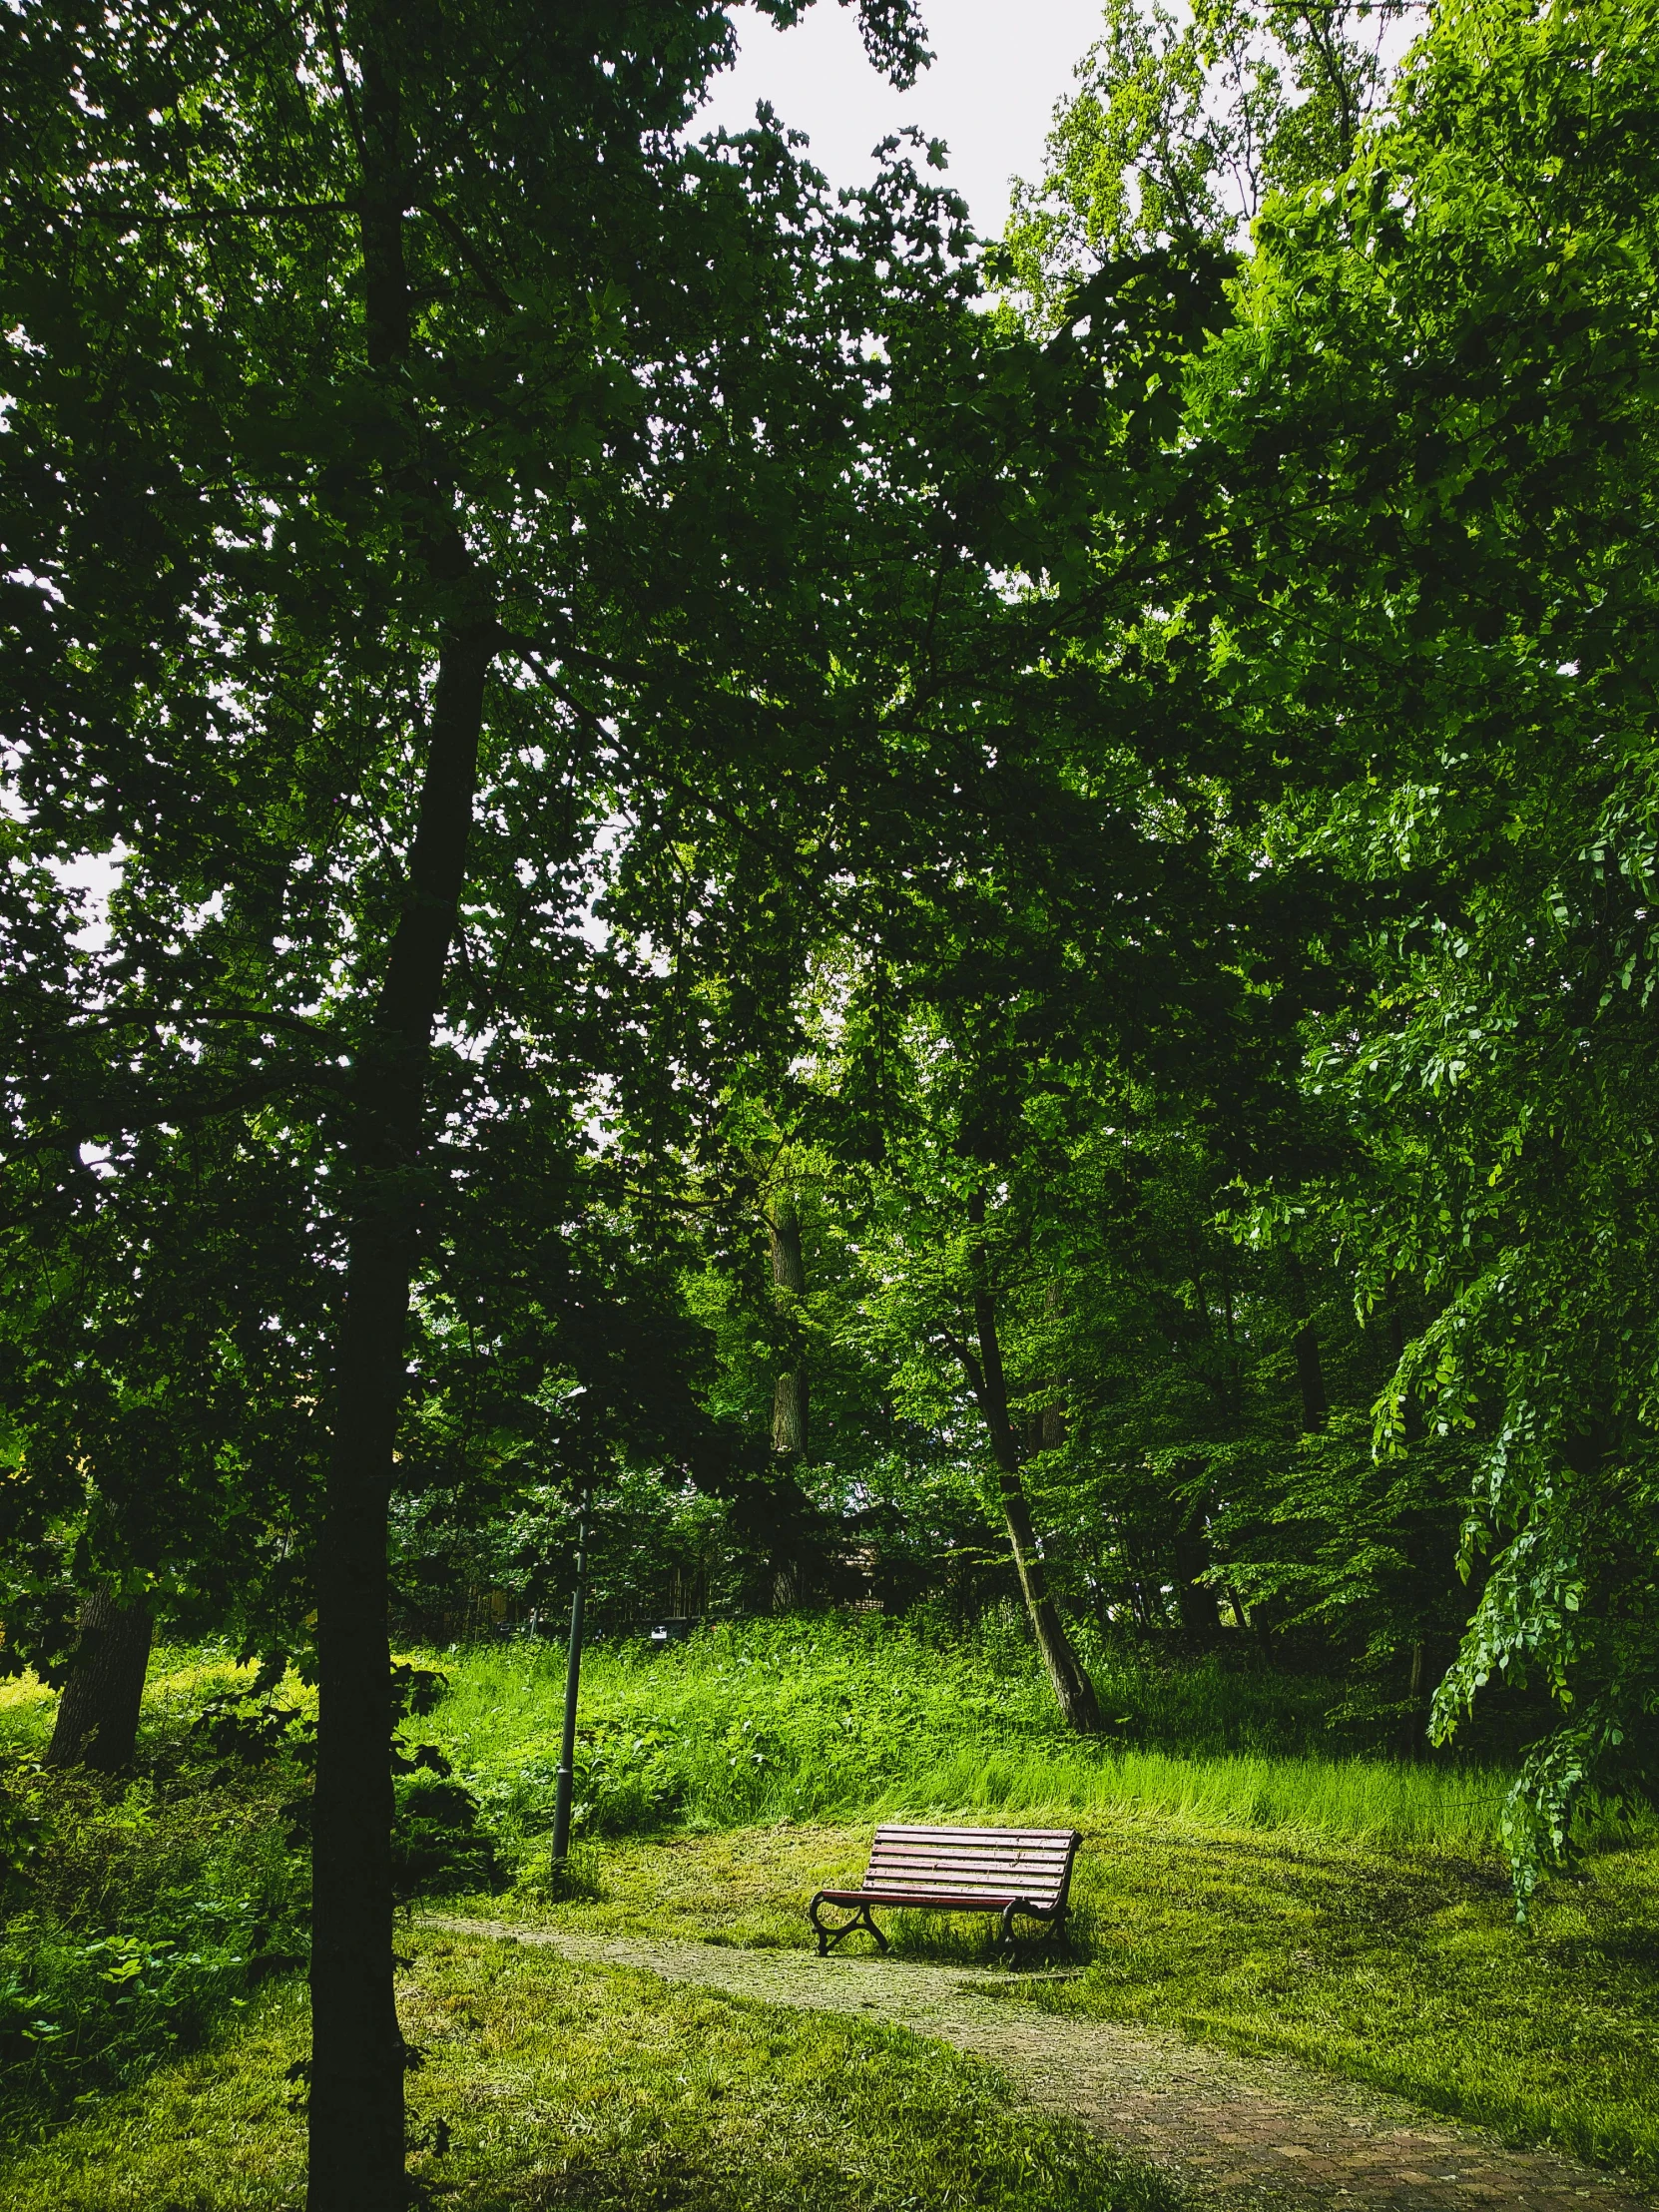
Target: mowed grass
560, 2085
1403, 1969
1235, 1885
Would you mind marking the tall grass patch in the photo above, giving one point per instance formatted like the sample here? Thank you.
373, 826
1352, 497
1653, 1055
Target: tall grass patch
823, 1717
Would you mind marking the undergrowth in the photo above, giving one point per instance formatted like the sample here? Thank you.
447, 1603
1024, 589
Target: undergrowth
143, 1911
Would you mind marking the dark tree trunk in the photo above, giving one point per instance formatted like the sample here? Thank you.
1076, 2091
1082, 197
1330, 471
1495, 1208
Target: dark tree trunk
357, 2050
1310, 1370
98, 1713
1414, 1729
1072, 1687
358, 2056
789, 1286
1194, 1600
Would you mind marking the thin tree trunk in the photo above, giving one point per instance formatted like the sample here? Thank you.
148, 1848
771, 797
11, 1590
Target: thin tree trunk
357, 2055
1310, 1370
358, 2049
1413, 1731
1072, 1687
98, 1713
789, 1283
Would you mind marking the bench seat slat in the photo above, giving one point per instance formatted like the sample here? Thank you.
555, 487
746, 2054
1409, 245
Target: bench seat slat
993, 1838
925, 1860
974, 1846
983, 1835
1008, 1872
940, 1900
964, 1878
1011, 1871
1047, 1890
969, 1848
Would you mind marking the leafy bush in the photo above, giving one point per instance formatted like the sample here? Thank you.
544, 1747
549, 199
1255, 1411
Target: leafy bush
146, 1911
437, 1840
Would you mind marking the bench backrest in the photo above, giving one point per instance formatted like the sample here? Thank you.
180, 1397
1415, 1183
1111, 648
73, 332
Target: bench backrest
1033, 1863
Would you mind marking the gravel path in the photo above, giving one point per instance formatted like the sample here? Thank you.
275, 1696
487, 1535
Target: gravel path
1237, 2132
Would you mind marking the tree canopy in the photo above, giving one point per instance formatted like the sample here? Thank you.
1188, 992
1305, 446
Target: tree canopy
973, 921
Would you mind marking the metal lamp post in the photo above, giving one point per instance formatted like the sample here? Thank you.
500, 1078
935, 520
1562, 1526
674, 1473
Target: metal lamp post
573, 1684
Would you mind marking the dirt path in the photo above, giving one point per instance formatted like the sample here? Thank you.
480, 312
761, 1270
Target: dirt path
1237, 2132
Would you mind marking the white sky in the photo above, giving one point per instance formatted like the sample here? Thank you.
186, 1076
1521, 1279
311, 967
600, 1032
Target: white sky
998, 68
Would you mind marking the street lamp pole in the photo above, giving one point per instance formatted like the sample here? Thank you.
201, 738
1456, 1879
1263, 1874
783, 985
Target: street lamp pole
573, 1684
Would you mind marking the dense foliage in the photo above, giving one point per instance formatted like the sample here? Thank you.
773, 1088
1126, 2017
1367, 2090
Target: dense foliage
958, 949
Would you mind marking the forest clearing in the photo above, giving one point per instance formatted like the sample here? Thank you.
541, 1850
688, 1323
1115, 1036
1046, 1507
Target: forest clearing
1350, 1916
829, 1023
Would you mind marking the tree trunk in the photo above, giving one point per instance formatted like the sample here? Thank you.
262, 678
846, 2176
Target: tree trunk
1072, 1687
1413, 1730
357, 2050
1310, 1370
98, 1713
358, 2056
1195, 1602
788, 1288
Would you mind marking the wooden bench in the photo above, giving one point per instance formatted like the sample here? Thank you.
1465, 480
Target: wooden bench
959, 1869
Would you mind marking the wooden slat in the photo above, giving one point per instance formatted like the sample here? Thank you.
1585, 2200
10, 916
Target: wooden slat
892, 1854
1037, 1892
983, 1835
975, 1847
1045, 1847
944, 1901
954, 1880
967, 1859
883, 1870
1051, 1870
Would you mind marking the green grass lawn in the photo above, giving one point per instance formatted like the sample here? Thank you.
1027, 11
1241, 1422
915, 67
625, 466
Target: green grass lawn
556, 2086
1399, 1967
1352, 1913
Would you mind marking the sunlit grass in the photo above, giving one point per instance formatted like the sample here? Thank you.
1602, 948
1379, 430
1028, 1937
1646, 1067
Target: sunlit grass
1398, 1968
1452, 1809
27, 1708
564, 2084
815, 1722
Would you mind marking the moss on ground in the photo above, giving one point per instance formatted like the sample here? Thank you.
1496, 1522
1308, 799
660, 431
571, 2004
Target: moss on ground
548, 2084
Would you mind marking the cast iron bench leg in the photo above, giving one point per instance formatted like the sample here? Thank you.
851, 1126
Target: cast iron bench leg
829, 1936
1056, 1930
